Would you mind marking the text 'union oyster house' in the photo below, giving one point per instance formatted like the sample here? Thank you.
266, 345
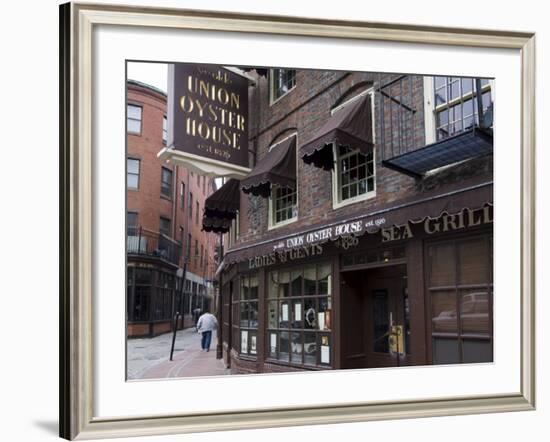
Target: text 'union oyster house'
362, 237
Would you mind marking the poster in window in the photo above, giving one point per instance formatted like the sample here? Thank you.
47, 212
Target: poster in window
253, 345
244, 341
321, 320
273, 342
325, 354
284, 312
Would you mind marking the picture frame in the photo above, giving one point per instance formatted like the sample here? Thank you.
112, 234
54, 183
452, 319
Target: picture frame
78, 23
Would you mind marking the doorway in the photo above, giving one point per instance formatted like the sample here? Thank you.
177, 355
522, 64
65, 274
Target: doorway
375, 317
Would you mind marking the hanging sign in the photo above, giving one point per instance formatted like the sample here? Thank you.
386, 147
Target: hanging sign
207, 119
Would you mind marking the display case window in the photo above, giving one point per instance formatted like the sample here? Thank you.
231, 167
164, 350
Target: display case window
245, 314
460, 287
299, 315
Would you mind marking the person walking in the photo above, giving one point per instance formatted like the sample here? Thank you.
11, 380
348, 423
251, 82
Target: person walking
205, 325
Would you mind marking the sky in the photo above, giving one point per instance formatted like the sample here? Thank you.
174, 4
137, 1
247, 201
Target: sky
153, 74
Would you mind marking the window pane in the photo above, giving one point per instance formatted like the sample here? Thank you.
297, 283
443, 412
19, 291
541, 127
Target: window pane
273, 285
310, 313
442, 265
284, 284
309, 280
476, 351
324, 313
284, 346
445, 351
134, 126
253, 288
284, 314
296, 276
296, 347
473, 262
297, 314
324, 279
310, 348
474, 312
272, 314
245, 312
273, 345
132, 165
133, 181
444, 318
134, 112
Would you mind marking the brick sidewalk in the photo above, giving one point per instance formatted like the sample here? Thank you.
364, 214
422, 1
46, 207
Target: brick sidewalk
189, 359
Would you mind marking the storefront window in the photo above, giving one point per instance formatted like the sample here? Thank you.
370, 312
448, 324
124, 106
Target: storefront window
245, 312
460, 287
299, 314
139, 289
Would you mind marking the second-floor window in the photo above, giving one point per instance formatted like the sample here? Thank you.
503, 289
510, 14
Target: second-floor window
454, 104
190, 205
284, 206
197, 213
355, 173
133, 122
132, 173
182, 195
165, 226
281, 82
166, 183
131, 223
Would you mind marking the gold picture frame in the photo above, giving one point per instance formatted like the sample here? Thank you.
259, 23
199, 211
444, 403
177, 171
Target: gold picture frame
77, 24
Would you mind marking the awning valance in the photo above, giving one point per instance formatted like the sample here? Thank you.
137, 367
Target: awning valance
278, 167
221, 207
476, 198
349, 126
466, 145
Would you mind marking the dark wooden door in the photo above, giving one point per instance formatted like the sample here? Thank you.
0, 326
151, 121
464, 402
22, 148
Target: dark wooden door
387, 317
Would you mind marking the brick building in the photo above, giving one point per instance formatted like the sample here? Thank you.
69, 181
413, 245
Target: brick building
363, 236
164, 230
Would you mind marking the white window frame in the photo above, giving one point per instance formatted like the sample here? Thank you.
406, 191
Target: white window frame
271, 214
134, 119
430, 110
272, 99
337, 202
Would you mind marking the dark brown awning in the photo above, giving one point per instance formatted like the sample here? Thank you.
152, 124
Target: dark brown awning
277, 167
221, 207
350, 126
412, 211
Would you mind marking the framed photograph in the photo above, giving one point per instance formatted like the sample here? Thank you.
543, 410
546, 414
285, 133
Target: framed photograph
254, 204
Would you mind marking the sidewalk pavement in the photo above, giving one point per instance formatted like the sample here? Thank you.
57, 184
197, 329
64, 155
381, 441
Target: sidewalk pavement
148, 358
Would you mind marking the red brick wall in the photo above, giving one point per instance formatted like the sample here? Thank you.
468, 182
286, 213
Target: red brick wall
306, 108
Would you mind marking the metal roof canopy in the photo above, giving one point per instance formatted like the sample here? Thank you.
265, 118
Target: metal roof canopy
463, 146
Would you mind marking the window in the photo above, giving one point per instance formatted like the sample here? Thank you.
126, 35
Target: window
461, 295
198, 180
197, 213
132, 173
166, 183
131, 223
283, 204
299, 315
182, 195
139, 287
196, 251
190, 205
133, 121
355, 175
165, 226
281, 82
164, 294
202, 254
234, 230
245, 314
189, 242
453, 101
164, 130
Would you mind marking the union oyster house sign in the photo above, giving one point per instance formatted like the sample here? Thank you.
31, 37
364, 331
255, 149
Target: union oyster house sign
207, 119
